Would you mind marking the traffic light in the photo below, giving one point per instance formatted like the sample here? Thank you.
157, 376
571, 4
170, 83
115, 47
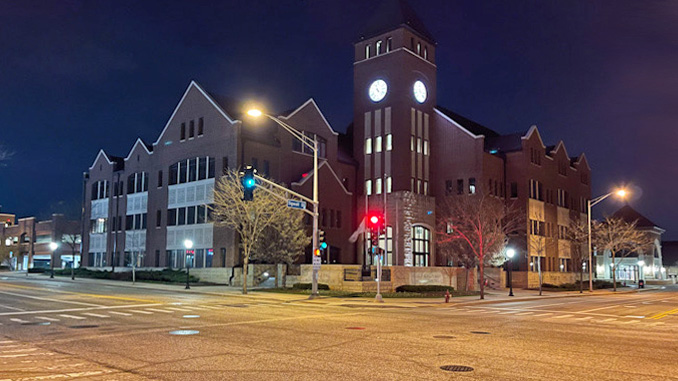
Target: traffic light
316, 252
375, 224
321, 239
248, 182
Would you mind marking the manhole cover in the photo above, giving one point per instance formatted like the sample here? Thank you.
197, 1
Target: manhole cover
480, 332
358, 328
191, 316
183, 332
456, 368
37, 323
444, 337
83, 326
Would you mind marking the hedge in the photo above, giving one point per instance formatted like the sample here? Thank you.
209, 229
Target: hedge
424, 288
165, 275
309, 286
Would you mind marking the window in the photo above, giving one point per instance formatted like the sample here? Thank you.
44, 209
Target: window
224, 165
368, 146
425, 52
378, 50
100, 190
537, 228
197, 168
378, 185
158, 218
266, 169
171, 217
183, 131
536, 190
159, 179
418, 145
368, 187
135, 222
426, 147
419, 48
426, 187
377, 144
418, 186
298, 146
421, 243
367, 51
472, 185
448, 187
412, 43
201, 127
535, 156
191, 130
389, 142
389, 185
514, 190
389, 44
412, 143
98, 225
137, 182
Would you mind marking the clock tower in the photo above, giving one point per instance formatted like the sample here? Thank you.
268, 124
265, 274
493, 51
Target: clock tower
394, 94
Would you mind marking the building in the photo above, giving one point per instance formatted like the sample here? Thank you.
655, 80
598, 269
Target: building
400, 155
647, 264
670, 258
30, 240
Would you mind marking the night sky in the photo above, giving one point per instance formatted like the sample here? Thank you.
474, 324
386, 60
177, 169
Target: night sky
77, 76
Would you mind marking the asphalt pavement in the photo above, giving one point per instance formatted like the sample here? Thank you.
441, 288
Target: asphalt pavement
100, 330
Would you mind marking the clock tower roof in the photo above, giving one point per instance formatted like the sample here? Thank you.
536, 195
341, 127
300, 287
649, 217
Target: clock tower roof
393, 14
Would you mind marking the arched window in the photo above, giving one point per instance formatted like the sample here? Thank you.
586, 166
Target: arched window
422, 246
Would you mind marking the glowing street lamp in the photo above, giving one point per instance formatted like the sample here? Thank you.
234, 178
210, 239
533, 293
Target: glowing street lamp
312, 144
510, 253
52, 246
188, 244
621, 193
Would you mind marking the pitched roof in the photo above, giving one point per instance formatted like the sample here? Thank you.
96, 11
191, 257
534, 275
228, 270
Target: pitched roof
630, 215
392, 14
473, 127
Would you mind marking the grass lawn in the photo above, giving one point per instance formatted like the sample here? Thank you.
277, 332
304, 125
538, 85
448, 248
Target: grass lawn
353, 294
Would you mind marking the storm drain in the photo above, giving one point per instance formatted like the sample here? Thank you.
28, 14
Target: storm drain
84, 326
480, 332
184, 332
444, 337
456, 368
37, 323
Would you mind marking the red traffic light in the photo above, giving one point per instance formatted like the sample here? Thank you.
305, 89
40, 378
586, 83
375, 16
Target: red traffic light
374, 220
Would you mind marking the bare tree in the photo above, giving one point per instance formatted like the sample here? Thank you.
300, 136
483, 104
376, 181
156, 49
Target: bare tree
621, 239
284, 241
454, 251
9, 251
249, 219
578, 235
482, 223
538, 243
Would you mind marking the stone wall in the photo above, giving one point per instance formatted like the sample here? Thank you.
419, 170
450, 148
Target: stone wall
530, 279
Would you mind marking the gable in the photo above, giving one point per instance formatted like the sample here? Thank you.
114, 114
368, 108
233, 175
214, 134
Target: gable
310, 107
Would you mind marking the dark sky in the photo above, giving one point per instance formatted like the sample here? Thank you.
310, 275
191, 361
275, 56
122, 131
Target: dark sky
77, 76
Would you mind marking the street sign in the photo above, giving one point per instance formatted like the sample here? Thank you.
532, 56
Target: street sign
316, 262
296, 204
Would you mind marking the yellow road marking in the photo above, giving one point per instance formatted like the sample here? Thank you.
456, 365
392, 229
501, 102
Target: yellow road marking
664, 314
82, 294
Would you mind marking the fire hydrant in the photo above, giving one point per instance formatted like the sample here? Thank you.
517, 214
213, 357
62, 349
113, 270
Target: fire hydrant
447, 296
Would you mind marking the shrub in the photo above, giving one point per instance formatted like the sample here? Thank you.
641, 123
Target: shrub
165, 275
423, 288
308, 286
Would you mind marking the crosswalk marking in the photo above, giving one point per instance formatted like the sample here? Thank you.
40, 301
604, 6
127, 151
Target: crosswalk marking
199, 308
546, 314
46, 318
142, 312
73, 317
95, 315
178, 309
606, 320
158, 310
18, 320
584, 318
631, 322
119, 313
524, 313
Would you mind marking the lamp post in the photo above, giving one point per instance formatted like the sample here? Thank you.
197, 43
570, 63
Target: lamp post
313, 145
621, 193
510, 253
641, 263
52, 246
188, 244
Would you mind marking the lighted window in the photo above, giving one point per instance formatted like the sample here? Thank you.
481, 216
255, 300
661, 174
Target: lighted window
418, 186
389, 185
425, 52
377, 144
377, 185
419, 48
412, 143
421, 243
426, 187
378, 47
426, 147
368, 187
368, 146
389, 142
418, 145
367, 51
472, 185
389, 44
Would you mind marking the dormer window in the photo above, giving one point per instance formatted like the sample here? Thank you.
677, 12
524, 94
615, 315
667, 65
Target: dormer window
426, 52
367, 51
389, 44
378, 50
419, 48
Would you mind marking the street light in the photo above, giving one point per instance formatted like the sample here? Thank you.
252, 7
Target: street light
510, 253
52, 246
188, 244
621, 193
313, 145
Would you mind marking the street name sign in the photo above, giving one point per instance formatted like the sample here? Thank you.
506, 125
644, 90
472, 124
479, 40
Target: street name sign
296, 204
316, 262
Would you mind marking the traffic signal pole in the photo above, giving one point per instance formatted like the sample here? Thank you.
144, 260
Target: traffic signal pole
314, 286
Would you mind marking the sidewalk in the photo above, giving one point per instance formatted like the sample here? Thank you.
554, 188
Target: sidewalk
491, 296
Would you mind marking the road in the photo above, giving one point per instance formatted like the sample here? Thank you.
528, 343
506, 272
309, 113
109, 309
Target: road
60, 330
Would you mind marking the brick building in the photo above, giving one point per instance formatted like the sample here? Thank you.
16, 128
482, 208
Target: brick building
401, 154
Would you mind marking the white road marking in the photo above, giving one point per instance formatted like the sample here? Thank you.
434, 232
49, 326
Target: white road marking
546, 314
199, 308
178, 309
584, 318
50, 300
46, 318
142, 312
507, 312
11, 308
77, 309
95, 315
524, 313
562, 316
119, 313
158, 310
606, 320
631, 322
73, 317
635, 317
7, 342
600, 308
19, 320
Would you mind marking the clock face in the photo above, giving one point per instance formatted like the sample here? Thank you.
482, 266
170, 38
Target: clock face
378, 90
419, 91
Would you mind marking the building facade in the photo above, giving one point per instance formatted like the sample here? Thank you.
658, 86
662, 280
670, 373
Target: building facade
401, 155
30, 239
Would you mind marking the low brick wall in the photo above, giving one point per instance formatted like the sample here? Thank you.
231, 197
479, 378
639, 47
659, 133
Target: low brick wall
530, 279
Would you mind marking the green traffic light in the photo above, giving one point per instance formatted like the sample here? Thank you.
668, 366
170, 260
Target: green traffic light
323, 245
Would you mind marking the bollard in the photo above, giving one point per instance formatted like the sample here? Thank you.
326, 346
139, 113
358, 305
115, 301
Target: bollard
447, 296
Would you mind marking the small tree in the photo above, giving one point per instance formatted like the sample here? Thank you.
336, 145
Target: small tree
482, 224
578, 235
250, 219
284, 241
621, 239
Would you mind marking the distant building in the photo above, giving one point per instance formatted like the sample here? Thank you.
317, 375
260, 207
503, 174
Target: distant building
402, 154
670, 258
31, 240
646, 264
